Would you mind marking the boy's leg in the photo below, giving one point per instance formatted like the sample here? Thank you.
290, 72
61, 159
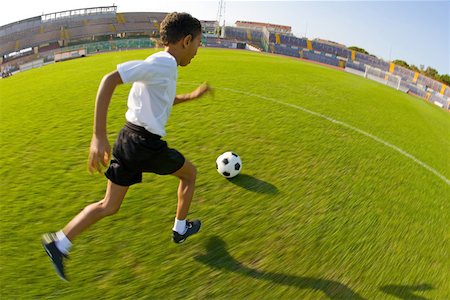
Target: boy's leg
57, 245
94, 212
187, 175
182, 228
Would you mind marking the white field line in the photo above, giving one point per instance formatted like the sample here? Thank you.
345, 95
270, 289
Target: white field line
375, 138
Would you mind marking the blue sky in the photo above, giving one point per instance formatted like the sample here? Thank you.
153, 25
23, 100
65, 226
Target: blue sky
415, 31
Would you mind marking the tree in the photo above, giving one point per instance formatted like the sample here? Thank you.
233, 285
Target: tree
430, 72
414, 68
401, 63
360, 50
445, 78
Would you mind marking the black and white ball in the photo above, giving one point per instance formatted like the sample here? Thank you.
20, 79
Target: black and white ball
229, 164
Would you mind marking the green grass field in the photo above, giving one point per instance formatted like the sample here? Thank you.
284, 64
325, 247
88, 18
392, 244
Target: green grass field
320, 211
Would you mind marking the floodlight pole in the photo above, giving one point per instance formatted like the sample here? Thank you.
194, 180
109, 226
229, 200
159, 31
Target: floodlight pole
390, 52
221, 12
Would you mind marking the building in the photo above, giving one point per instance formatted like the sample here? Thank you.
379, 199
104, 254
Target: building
287, 30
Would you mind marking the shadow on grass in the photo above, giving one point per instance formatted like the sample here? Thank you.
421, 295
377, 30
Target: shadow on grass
218, 257
406, 291
254, 184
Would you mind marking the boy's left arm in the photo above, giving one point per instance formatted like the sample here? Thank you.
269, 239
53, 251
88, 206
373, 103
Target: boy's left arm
197, 93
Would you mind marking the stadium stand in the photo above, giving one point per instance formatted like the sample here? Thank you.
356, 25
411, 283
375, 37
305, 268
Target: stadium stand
406, 74
45, 34
321, 58
438, 100
101, 29
49, 47
293, 41
286, 50
326, 48
372, 61
220, 43
416, 90
70, 26
429, 83
355, 65
241, 34
139, 23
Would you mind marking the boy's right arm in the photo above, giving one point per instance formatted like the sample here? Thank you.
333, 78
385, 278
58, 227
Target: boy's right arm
100, 150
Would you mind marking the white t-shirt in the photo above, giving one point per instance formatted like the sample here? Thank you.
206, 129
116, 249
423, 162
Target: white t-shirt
153, 92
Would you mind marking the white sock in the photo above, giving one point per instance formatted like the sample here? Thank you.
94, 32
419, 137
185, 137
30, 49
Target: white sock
63, 243
179, 226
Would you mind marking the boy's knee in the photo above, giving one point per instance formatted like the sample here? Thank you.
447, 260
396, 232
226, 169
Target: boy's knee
187, 173
111, 211
194, 172
190, 174
108, 210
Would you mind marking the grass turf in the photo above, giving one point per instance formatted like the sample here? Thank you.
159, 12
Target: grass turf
320, 210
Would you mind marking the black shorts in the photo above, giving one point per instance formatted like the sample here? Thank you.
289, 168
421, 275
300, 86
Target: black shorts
137, 150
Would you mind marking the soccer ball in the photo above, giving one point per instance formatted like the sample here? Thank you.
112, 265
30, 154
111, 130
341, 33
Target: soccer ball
229, 164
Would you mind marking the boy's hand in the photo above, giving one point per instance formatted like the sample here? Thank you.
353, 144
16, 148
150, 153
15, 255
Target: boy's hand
99, 153
197, 93
202, 89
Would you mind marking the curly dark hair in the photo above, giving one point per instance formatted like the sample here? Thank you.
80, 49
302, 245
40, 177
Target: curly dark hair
176, 26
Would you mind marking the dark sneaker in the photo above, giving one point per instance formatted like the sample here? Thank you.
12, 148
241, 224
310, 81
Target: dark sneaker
56, 256
192, 228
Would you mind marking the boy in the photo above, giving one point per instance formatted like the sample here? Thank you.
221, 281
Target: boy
139, 147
